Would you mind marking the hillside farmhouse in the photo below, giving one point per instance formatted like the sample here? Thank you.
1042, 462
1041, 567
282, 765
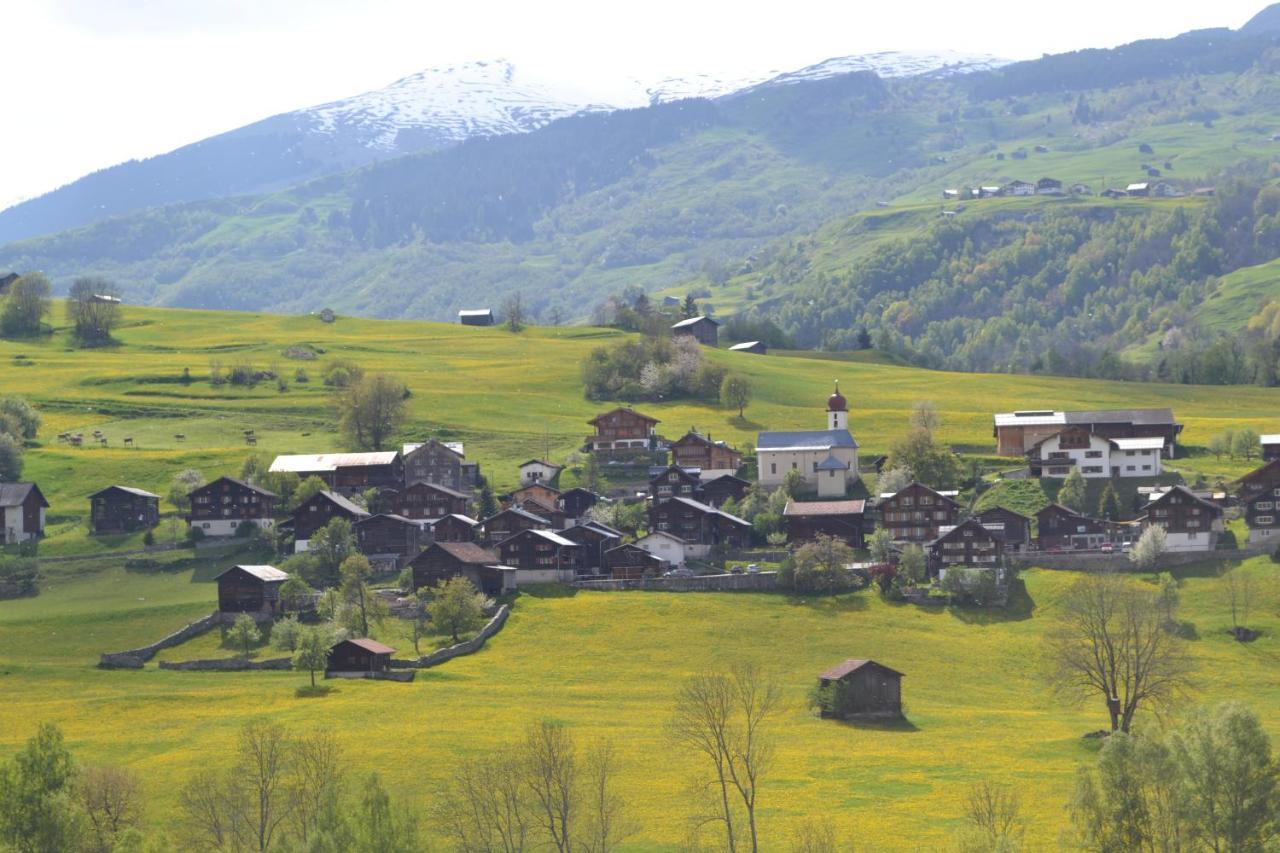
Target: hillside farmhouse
844, 520
250, 589
918, 513
1095, 457
1191, 523
1017, 432
317, 511
22, 508
220, 507
346, 472
622, 431
695, 450
702, 329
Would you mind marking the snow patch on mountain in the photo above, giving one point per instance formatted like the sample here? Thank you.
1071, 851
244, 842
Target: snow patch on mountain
495, 97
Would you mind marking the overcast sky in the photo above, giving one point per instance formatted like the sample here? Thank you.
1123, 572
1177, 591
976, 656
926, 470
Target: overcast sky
89, 83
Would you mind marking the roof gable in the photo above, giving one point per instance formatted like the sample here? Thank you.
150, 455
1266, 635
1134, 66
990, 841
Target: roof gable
128, 490
627, 410
851, 665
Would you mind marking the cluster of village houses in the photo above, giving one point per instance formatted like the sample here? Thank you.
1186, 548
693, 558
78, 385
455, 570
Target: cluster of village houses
543, 533
1054, 187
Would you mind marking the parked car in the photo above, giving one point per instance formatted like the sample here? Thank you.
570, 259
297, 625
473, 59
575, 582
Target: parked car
736, 570
1107, 547
753, 568
682, 572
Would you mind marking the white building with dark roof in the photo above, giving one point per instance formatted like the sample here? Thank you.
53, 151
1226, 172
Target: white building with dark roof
827, 458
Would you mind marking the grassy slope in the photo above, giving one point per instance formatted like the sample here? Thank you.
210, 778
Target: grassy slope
477, 385
607, 664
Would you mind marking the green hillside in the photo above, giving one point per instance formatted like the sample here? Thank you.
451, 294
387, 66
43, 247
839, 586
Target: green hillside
475, 385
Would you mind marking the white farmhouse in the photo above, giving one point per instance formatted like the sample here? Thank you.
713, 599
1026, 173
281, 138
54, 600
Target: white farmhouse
1094, 456
827, 459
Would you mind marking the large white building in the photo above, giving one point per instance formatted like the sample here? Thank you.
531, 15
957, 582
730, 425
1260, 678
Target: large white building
1094, 456
827, 458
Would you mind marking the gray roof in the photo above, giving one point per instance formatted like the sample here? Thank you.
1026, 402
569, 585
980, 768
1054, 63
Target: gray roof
14, 494
813, 440
129, 489
344, 503
709, 509
832, 464
693, 321
1132, 416
269, 574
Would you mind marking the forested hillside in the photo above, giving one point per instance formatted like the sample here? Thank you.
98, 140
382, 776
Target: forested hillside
746, 201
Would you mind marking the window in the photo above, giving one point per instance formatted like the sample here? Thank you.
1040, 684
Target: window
1146, 467
1093, 454
1128, 453
1261, 505
926, 500
906, 501
1091, 469
1130, 468
1058, 472
1262, 519
773, 467
815, 467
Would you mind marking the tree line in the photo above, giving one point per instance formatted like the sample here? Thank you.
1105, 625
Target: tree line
92, 309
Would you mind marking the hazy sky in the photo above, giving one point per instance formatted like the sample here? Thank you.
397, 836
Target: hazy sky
86, 84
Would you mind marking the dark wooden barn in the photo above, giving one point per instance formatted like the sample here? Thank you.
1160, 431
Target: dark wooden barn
703, 329
444, 560
454, 528
510, 522
321, 508
627, 562
22, 509
842, 519
119, 509
389, 536
861, 688
576, 501
359, 655
595, 539
250, 589
719, 490
1014, 528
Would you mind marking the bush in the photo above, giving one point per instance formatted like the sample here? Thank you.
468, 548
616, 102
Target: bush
195, 534
285, 634
149, 538
341, 372
18, 577
248, 530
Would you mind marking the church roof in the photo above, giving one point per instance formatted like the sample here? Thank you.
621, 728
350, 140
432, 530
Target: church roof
824, 439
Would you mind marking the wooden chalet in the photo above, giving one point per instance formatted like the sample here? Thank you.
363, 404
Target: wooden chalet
595, 539
318, 510
718, 490
120, 509
622, 431
220, 507
845, 520
700, 525
22, 510
917, 513
702, 329
426, 500
1191, 523
752, 347
969, 544
545, 494
359, 654
550, 511
348, 473
675, 482
863, 689
250, 589
1262, 516
454, 528
576, 502
1062, 529
542, 551
1014, 528
390, 537
509, 522
436, 462
694, 450
630, 561
443, 560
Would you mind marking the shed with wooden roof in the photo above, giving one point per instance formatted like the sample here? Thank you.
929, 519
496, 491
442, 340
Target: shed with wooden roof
861, 688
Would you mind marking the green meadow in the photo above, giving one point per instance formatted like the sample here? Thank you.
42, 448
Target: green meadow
607, 664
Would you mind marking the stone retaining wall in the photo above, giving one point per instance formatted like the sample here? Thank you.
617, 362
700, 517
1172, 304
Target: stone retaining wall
1093, 561
401, 676
227, 664
466, 647
757, 581
135, 658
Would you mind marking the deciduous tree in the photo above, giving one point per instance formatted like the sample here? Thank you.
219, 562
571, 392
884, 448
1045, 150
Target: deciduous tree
1150, 545
1072, 493
735, 392
26, 306
312, 652
370, 410
244, 634
112, 802
822, 565
1111, 643
456, 606
93, 310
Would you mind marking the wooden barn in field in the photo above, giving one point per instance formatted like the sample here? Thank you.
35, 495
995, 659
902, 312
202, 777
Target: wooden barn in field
359, 655
476, 316
250, 589
863, 689
119, 509
702, 329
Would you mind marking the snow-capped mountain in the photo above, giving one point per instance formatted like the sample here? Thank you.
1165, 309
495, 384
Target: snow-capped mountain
426, 111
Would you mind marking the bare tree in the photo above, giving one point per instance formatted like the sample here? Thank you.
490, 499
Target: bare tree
1238, 589
992, 818
370, 410
725, 717
815, 836
924, 415
514, 311
550, 765
316, 783
210, 816
112, 802
483, 809
1111, 641
93, 309
263, 770
604, 823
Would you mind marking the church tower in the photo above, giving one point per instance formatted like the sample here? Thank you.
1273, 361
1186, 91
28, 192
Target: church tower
837, 410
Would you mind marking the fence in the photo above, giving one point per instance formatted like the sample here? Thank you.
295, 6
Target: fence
135, 658
753, 581
227, 664
466, 647
1096, 561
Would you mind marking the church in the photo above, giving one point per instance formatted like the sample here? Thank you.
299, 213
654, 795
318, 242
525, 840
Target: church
827, 458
